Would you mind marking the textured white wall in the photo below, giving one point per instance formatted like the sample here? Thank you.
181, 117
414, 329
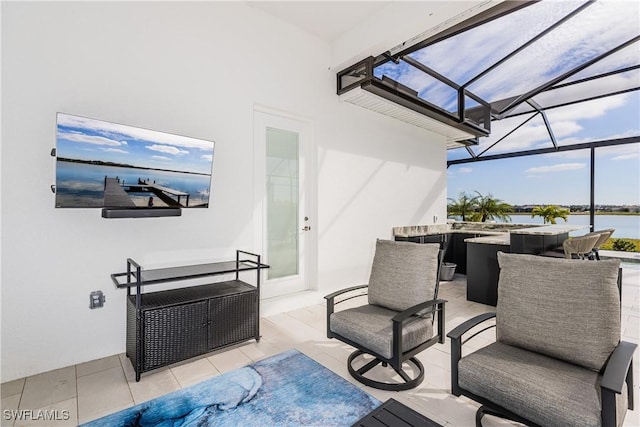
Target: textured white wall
195, 69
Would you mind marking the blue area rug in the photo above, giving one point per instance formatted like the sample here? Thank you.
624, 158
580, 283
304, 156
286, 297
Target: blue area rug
288, 389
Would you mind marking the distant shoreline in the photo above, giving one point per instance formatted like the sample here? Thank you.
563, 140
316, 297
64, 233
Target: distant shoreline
123, 165
584, 213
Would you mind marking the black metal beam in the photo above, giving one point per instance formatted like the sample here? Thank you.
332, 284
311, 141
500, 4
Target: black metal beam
461, 92
387, 91
561, 148
510, 132
530, 42
481, 18
470, 151
420, 66
472, 111
540, 110
548, 125
577, 101
552, 82
592, 195
595, 77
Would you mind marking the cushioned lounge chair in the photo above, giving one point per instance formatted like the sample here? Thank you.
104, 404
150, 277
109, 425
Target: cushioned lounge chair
557, 359
398, 321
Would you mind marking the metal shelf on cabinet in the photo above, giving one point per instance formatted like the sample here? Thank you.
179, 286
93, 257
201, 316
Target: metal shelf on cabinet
169, 326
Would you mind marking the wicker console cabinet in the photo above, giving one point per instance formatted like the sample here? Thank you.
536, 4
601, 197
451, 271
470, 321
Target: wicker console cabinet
169, 326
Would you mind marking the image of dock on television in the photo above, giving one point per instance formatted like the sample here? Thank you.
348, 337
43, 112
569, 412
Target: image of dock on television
102, 164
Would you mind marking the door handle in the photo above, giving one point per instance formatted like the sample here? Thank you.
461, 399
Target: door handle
306, 228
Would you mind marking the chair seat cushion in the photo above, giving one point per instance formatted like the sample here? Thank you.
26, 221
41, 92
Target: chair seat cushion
544, 390
371, 327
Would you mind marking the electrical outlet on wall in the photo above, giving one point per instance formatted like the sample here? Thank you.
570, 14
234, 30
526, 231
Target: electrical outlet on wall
96, 299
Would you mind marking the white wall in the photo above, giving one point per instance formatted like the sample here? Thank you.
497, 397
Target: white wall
194, 69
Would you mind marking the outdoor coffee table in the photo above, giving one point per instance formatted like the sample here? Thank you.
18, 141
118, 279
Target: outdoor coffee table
394, 414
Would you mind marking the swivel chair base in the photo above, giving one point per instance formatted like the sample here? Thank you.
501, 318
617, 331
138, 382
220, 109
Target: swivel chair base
408, 383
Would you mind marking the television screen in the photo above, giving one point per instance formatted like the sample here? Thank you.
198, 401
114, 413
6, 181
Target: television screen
107, 165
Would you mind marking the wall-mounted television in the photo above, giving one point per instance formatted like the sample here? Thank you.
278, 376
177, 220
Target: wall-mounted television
101, 164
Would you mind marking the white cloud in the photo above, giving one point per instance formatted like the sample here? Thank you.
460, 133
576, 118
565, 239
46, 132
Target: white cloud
162, 158
88, 139
561, 167
626, 156
123, 132
166, 149
116, 150
465, 170
208, 157
588, 109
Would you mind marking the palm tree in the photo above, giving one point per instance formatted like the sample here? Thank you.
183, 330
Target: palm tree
488, 209
463, 207
550, 213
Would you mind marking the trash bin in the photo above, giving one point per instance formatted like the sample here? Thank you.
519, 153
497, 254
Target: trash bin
447, 271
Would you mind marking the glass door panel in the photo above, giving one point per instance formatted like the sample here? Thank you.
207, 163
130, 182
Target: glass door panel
282, 202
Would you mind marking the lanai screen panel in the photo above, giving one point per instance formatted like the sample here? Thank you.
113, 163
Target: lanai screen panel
589, 57
599, 28
463, 56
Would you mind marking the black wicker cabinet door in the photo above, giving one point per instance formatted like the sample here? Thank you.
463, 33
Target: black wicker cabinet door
172, 334
233, 319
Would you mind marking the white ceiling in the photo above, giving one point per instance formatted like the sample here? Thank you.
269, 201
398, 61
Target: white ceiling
356, 29
327, 20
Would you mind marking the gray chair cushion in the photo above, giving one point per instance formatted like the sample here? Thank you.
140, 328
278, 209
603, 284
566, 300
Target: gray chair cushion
403, 274
371, 327
567, 309
547, 391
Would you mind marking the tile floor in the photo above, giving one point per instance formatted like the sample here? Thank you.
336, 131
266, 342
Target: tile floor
90, 390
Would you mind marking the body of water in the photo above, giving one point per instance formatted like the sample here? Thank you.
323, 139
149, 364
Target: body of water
625, 225
81, 185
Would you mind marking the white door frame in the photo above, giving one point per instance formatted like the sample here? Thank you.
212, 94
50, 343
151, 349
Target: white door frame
265, 116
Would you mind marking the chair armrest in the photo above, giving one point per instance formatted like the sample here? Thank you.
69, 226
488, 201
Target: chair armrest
403, 315
331, 304
438, 307
398, 321
331, 296
456, 346
617, 367
461, 329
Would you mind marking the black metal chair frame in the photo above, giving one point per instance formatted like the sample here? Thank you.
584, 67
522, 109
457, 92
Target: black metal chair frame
427, 308
618, 369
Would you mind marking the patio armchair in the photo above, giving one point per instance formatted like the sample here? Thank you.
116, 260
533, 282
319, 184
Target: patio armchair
604, 236
557, 359
575, 248
397, 322
581, 246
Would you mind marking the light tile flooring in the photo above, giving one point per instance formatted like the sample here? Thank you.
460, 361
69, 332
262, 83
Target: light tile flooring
90, 390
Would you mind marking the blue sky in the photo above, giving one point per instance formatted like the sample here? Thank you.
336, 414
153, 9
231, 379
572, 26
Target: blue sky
89, 139
560, 178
